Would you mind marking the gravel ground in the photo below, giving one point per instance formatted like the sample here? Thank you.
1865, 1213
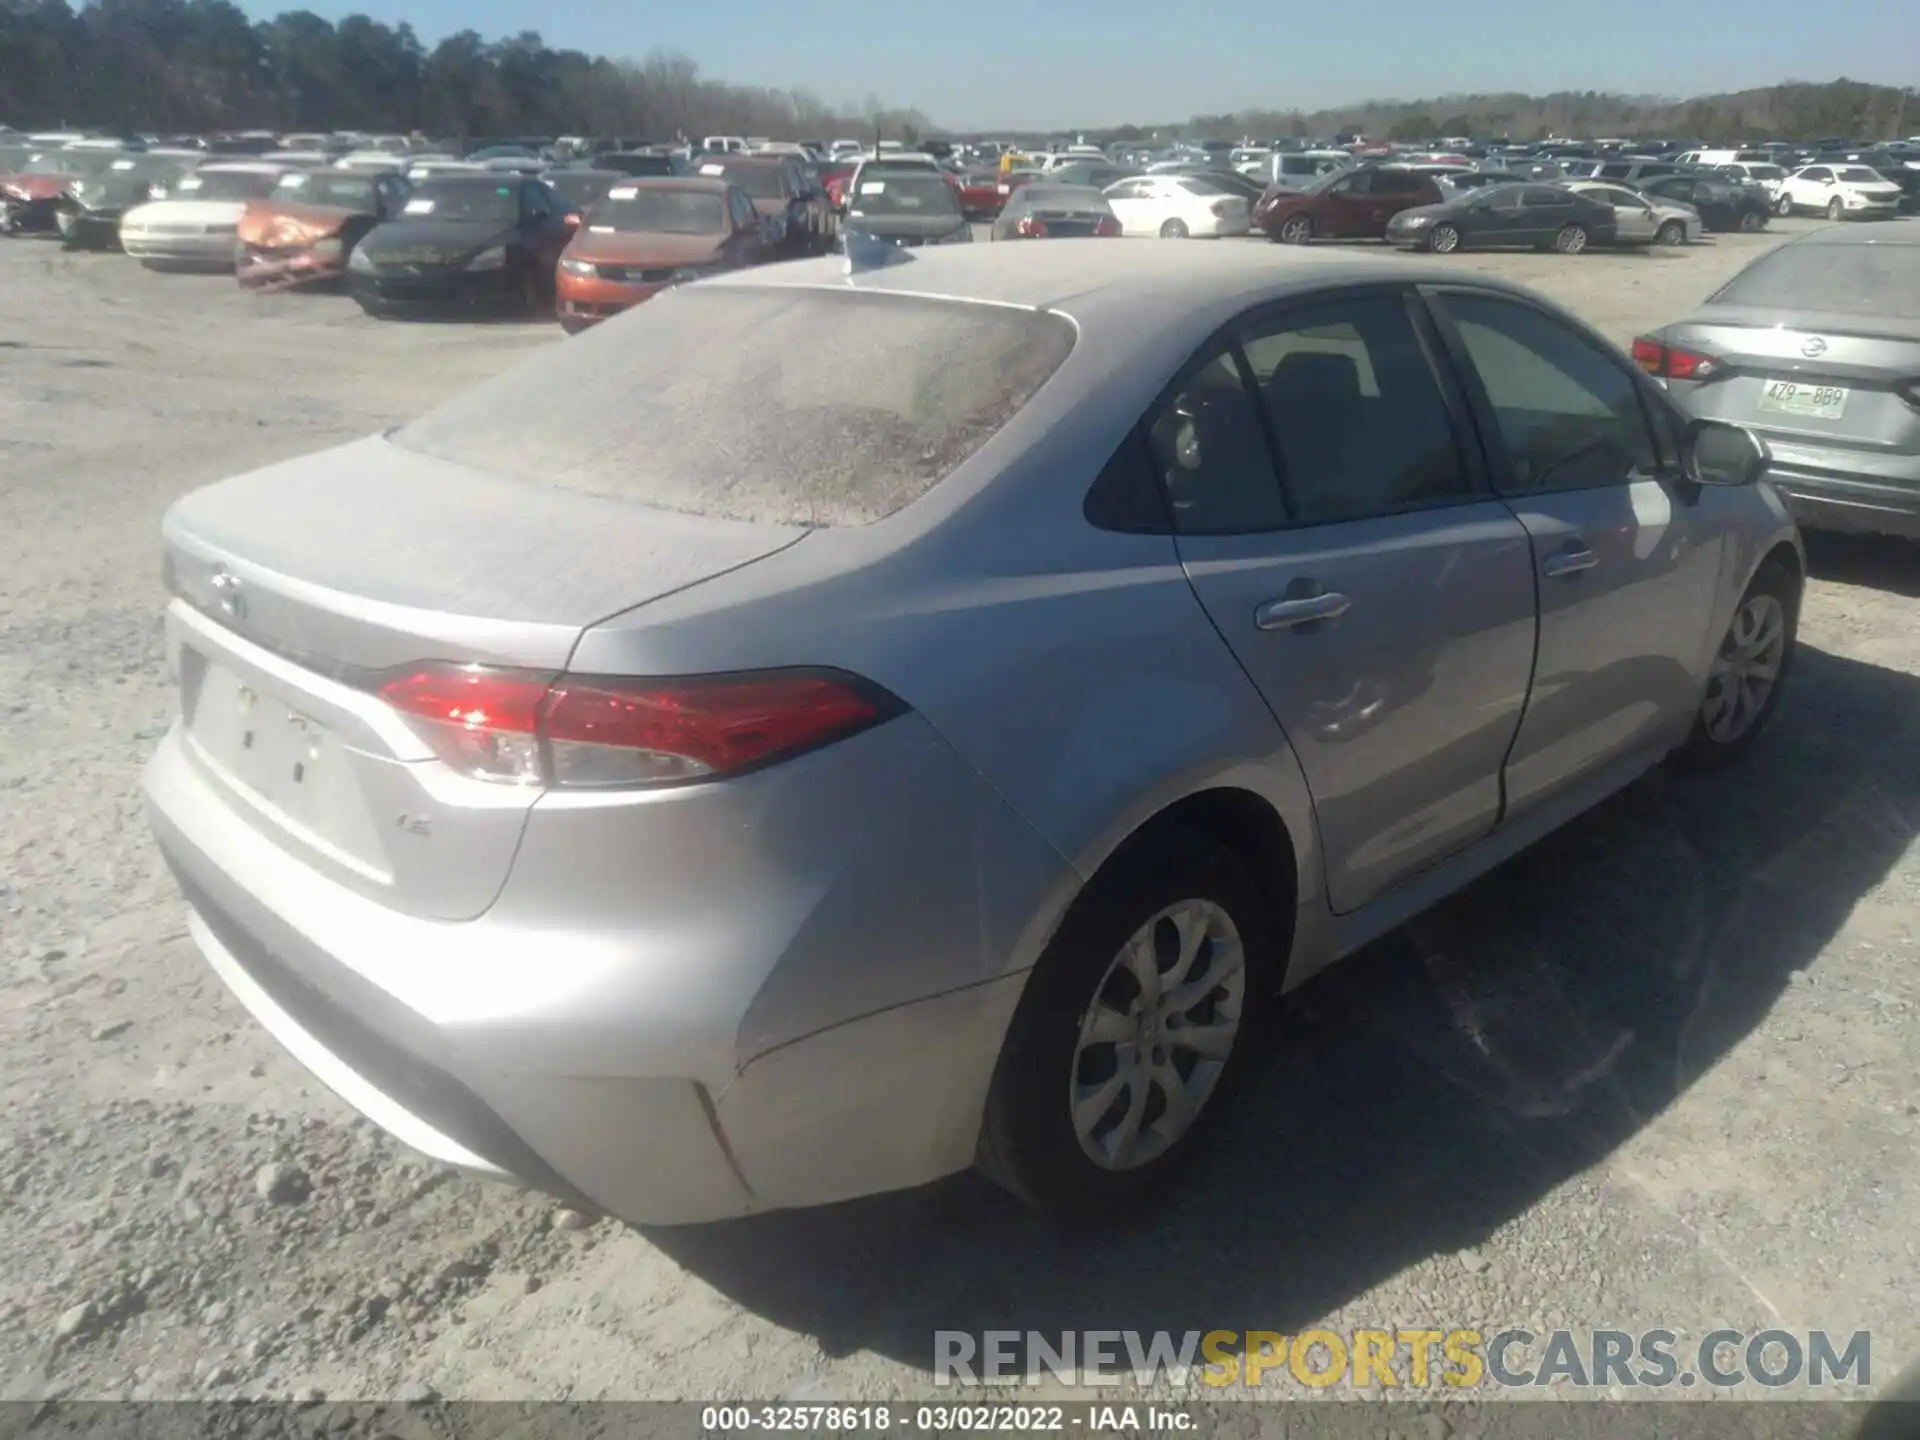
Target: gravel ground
1658, 1072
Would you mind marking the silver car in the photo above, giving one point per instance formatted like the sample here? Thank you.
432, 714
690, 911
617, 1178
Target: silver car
695, 783
1816, 346
1642, 219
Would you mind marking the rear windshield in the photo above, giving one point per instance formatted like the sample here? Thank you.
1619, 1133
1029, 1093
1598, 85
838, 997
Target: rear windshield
691, 402
905, 194
1859, 279
762, 182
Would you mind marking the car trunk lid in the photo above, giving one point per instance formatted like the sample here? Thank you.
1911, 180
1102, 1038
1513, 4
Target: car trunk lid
1828, 382
301, 587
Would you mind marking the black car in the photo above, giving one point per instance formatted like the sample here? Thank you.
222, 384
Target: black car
582, 187
88, 215
1538, 216
644, 164
1723, 204
908, 208
1044, 211
465, 241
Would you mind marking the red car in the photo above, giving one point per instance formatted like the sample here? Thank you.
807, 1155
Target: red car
980, 193
833, 179
1344, 205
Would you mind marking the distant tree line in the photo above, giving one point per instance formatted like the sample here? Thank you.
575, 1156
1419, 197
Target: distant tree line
1796, 110
191, 66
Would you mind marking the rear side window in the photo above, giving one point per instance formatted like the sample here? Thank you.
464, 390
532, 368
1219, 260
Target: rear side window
692, 402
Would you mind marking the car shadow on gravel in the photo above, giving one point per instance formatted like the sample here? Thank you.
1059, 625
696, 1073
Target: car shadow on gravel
1425, 1092
1876, 562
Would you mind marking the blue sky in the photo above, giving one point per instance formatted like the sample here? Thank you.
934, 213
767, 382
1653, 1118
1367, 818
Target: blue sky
987, 63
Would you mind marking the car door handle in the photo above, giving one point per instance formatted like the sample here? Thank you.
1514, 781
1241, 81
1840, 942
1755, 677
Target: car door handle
1568, 562
1285, 614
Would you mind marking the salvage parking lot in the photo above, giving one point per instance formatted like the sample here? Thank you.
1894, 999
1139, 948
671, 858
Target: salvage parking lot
1657, 1072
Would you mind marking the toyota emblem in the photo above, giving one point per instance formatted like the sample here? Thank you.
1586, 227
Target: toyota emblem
1813, 345
226, 590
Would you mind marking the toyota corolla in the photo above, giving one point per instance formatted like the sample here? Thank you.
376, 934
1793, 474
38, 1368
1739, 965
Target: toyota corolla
829, 730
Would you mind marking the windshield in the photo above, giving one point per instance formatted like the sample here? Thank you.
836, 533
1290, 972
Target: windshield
661, 211
905, 194
345, 192
1323, 182
457, 201
1880, 280
70, 162
762, 182
225, 185
1860, 175
692, 402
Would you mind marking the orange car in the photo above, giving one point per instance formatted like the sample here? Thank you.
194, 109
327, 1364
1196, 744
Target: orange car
302, 233
649, 234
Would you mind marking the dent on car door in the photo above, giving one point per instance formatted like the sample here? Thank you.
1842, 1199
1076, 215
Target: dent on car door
1628, 568
1377, 595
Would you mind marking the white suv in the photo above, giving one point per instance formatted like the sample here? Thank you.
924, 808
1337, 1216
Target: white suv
1840, 192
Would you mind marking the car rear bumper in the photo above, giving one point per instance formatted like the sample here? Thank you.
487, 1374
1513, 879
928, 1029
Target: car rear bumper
1828, 488
831, 1034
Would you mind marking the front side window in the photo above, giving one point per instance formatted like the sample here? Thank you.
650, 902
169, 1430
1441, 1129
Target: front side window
1356, 413
1568, 415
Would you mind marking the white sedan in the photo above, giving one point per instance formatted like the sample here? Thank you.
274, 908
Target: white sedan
1175, 207
1642, 219
197, 224
1841, 192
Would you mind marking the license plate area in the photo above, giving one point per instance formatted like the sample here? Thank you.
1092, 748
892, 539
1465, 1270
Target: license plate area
287, 765
1795, 397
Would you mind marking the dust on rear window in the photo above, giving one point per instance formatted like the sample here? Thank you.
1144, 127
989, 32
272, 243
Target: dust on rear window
775, 405
1882, 280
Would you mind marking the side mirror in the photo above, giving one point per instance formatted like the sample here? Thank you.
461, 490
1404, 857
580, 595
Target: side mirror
1715, 453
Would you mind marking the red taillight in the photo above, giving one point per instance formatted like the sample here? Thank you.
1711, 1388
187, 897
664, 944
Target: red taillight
1106, 225
532, 729
1031, 228
1673, 364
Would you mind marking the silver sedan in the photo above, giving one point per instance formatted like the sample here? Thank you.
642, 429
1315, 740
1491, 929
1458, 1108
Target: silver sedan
695, 783
1643, 219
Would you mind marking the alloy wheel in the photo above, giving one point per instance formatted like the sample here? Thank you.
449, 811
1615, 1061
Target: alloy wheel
1570, 241
1157, 1037
1297, 231
1746, 669
1835, 210
1671, 233
1446, 239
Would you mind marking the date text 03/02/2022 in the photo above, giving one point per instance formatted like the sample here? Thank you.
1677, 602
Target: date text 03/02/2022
944, 1418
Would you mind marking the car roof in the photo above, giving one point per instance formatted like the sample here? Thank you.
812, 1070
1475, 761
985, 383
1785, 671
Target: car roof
1133, 296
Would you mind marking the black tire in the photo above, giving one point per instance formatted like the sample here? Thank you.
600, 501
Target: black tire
1174, 230
1702, 751
571, 325
1672, 233
1783, 206
1296, 230
1444, 240
1571, 240
1028, 1143
1753, 222
1835, 210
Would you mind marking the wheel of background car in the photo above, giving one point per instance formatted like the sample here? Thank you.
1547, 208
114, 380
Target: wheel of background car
1673, 232
1444, 240
1753, 221
1131, 1030
1571, 240
1783, 206
1836, 210
1174, 230
1747, 675
1296, 230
